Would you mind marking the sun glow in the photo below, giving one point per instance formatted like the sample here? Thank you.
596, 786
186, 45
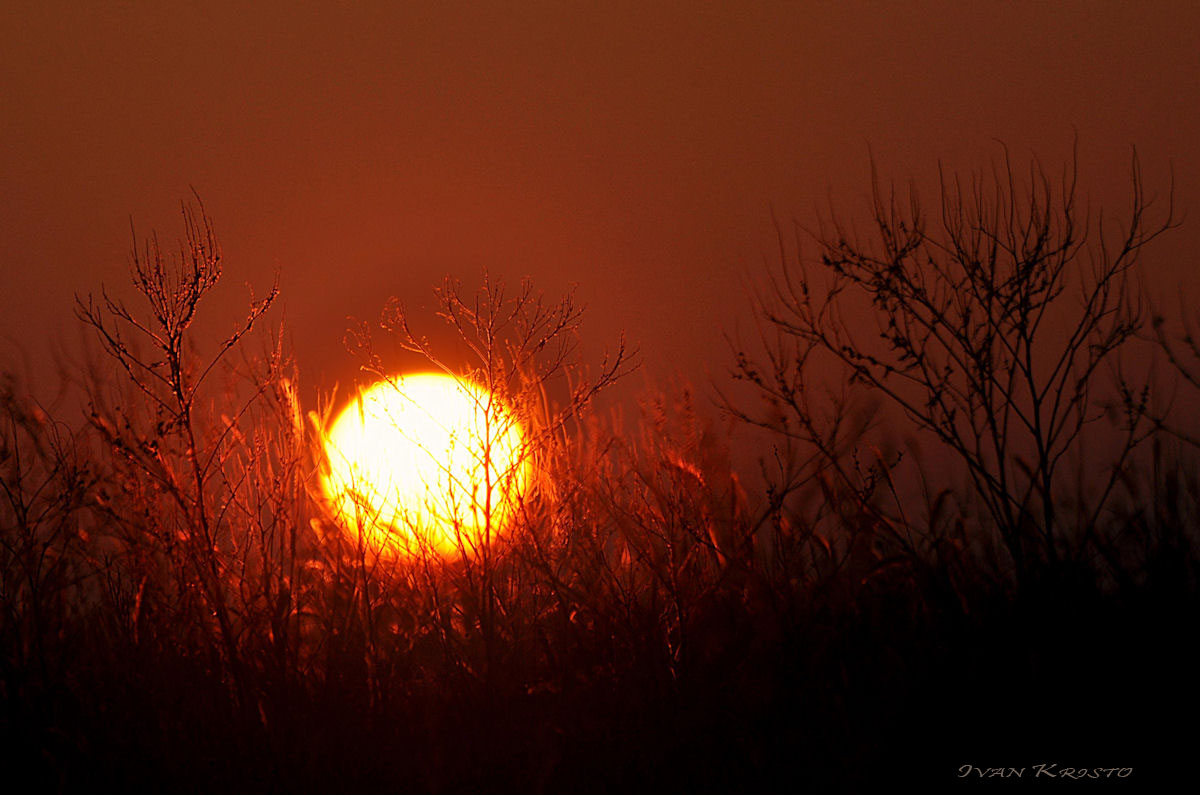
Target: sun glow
425, 462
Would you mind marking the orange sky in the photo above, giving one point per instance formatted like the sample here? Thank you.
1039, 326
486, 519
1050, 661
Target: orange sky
367, 150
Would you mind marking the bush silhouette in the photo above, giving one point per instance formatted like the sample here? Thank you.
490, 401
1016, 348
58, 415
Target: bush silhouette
184, 609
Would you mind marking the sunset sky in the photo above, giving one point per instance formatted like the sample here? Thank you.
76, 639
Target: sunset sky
638, 150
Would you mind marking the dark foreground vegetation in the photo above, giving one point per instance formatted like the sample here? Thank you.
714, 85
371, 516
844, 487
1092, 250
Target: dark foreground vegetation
955, 524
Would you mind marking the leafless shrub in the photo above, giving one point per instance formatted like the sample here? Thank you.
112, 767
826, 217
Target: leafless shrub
480, 610
988, 327
196, 499
44, 480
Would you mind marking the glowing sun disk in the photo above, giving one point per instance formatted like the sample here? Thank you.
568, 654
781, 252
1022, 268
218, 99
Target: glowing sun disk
425, 462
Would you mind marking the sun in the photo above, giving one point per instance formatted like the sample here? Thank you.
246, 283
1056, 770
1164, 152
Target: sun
425, 463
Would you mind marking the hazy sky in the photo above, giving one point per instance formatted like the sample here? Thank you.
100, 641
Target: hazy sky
638, 150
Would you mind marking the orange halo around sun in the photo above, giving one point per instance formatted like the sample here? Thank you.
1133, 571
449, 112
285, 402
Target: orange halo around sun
425, 462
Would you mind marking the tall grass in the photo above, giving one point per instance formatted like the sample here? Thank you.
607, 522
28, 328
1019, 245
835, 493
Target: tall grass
182, 608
